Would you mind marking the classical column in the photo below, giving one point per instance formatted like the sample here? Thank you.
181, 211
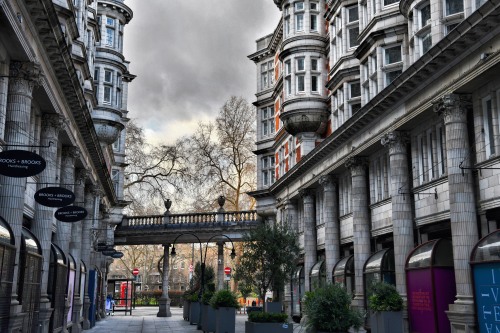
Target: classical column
291, 217
310, 245
68, 158
463, 213
361, 223
220, 265
332, 224
402, 217
91, 192
4, 87
23, 76
44, 219
164, 302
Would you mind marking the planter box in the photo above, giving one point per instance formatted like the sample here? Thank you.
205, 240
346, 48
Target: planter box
194, 313
185, 310
207, 318
251, 327
273, 307
387, 322
225, 320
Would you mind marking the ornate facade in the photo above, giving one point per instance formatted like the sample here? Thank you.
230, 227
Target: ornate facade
378, 127
63, 96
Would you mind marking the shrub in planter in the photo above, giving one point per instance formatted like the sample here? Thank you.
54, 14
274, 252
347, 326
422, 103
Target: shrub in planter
266, 317
329, 309
207, 312
226, 304
386, 307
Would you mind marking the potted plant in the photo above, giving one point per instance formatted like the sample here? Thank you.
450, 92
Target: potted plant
386, 307
266, 322
207, 311
226, 303
194, 308
328, 309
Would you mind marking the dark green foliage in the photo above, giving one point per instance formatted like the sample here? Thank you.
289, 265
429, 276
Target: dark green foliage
224, 298
384, 297
151, 297
207, 296
329, 309
266, 317
268, 258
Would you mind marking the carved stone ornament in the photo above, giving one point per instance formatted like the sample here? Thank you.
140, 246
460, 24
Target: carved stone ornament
396, 142
306, 194
328, 182
453, 107
52, 123
24, 76
70, 152
81, 176
357, 165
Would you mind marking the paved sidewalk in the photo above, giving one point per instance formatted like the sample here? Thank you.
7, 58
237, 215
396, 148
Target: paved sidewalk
144, 320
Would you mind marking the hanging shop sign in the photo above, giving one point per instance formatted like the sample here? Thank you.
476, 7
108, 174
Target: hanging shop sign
117, 255
54, 197
21, 163
70, 214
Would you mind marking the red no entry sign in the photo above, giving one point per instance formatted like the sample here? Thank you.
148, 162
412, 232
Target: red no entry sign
227, 270
135, 271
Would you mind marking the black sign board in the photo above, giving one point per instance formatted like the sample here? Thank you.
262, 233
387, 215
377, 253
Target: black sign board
117, 255
103, 247
109, 252
20, 163
54, 197
70, 214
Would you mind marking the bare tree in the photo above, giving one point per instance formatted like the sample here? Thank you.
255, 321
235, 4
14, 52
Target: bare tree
222, 156
154, 172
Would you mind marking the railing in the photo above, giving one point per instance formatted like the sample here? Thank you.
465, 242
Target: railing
192, 218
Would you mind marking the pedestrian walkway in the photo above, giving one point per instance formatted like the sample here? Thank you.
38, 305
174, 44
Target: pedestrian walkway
144, 320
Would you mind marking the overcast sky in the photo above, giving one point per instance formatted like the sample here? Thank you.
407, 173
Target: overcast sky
190, 56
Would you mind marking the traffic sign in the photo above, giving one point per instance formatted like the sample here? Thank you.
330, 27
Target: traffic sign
135, 271
227, 270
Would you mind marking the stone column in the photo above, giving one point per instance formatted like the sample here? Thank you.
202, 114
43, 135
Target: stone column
332, 224
23, 77
310, 245
75, 248
361, 224
44, 216
4, 87
220, 265
291, 215
63, 232
463, 213
90, 194
402, 217
164, 303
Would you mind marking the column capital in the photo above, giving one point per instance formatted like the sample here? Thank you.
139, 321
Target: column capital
81, 176
52, 123
306, 194
24, 76
328, 182
70, 152
396, 142
93, 190
357, 165
453, 107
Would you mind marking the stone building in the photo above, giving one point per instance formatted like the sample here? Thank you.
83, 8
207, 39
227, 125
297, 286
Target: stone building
63, 98
378, 132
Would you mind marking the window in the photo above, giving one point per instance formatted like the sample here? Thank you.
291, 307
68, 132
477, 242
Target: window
281, 161
299, 6
425, 15
314, 6
300, 83
116, 144
345, 187
268, 170
390, 2
379, 178
426, 42
107, 95
353, 25
291, 152
489, 142
287, 25
392, 63
450, 27
288, 78
300, 64
441, 152
314, 64
314, 23
115, 177
314, 83
299, 22
108, 76
354, 90
96, 74
267, 121
110, 36
110, 21
267, 74
454, 7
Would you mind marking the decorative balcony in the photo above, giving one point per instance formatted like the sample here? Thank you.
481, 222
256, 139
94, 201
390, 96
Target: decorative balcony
108, 124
